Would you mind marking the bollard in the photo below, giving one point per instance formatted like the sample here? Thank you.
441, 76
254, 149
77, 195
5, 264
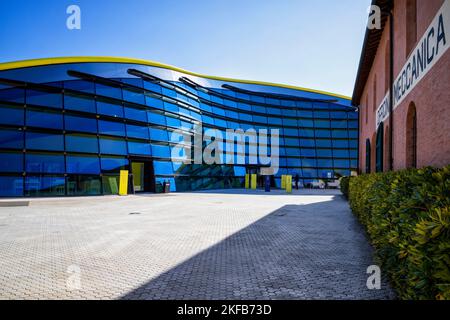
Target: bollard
283, 181
254, 178
247, 181
123, 184
289, 184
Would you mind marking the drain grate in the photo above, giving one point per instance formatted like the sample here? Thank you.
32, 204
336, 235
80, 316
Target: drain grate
134, 213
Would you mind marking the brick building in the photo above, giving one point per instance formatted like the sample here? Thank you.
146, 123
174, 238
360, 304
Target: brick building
406, 55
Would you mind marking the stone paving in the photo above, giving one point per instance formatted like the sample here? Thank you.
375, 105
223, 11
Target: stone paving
207, 245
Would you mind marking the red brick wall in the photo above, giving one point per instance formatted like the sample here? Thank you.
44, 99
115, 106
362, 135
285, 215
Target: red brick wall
431, 97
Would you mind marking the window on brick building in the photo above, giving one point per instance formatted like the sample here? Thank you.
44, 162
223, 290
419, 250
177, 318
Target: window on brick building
379, 154
411, 25
368, 155
411, 137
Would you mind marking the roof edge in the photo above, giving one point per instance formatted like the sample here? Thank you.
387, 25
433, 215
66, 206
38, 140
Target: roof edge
104, 59
367, 57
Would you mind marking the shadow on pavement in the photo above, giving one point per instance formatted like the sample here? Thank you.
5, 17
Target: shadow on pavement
313, 251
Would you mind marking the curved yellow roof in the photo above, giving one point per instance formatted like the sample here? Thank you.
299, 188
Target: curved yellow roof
61, 60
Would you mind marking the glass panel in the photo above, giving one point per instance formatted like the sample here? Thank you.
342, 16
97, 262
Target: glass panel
160, 183
113, 164
83, 164
11, 186
324, 153
11, 139
220, 123
108, 91
156, 118
152, 86
339, 134
158, 134
176, 123
11, 162
339, 124
44, 141
340, 153
308, 152
135, 82
261, 119
111, 128
245, 117
111, 184
83, 185
325, 163
160, 151
140, 148
323, 143
290, 122
342, 163
323, 133
113, 146
340, 143
80, 124
353, 124
218, 111
322, 124
50, 120
11, 115
137, 132
136, 114
44, 163
12, 95
338, 115
133, 96
290, 132
44, 186
81, 143
154, 102
110, 109
79, 103
162, 167
42, 98
80, 85
170, 107
207, 119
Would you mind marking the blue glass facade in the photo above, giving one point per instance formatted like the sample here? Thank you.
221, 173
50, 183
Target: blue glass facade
68, 129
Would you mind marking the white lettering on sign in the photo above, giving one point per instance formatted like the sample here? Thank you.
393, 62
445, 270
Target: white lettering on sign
382, 111
431, 47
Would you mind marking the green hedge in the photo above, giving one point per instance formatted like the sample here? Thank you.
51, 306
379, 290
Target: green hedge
407, 217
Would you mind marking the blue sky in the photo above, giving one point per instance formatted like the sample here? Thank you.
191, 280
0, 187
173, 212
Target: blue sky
309, 43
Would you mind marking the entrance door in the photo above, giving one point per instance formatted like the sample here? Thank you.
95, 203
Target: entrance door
143, 176
138, 176
260, 179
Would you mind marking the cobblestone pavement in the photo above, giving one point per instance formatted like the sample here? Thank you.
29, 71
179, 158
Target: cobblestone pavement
210, 245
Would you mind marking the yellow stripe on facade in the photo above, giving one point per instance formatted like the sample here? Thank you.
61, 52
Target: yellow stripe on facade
62, 60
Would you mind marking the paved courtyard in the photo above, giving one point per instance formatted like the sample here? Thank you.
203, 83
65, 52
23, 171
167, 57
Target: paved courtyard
211, 245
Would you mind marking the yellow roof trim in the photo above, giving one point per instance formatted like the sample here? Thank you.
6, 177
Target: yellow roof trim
62, 60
